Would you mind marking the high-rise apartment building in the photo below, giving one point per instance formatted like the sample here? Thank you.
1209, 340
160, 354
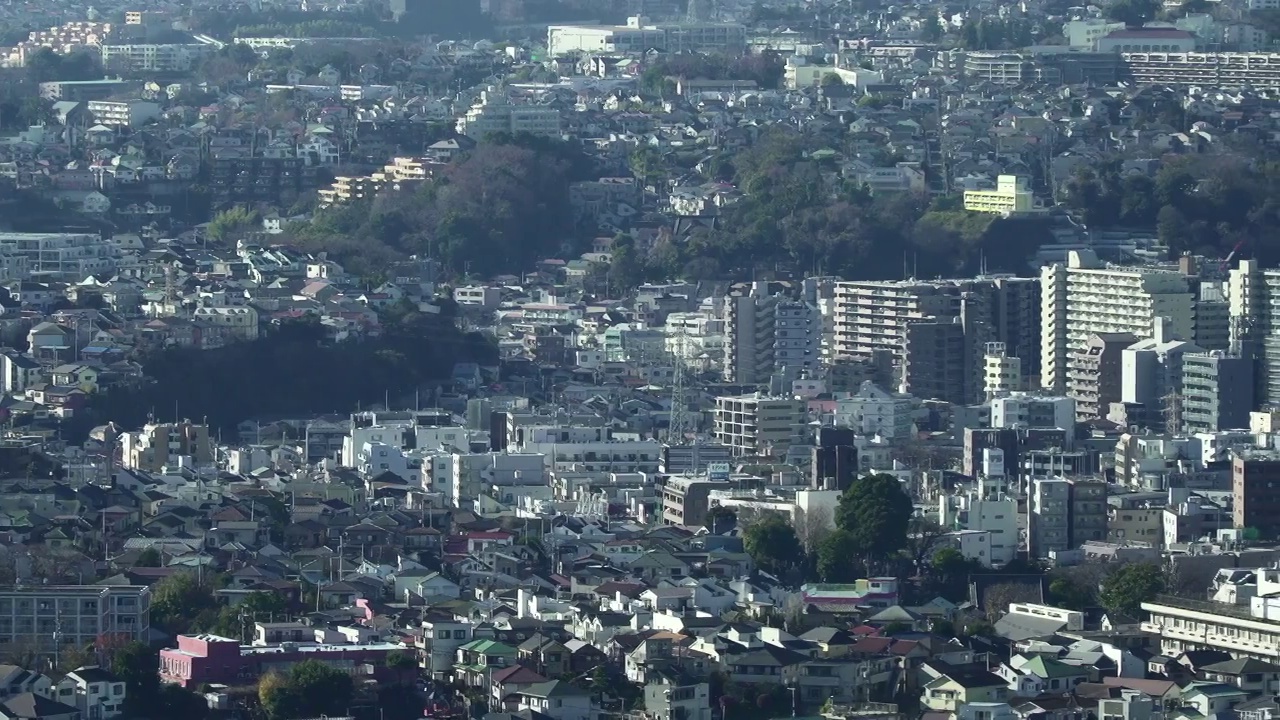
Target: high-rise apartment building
1096, 373
1255, 492
1253, 296
938, 331
1217, 392
1084, 297
1001, 374
767, 335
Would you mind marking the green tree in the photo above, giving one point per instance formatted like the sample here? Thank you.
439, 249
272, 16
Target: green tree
1130, 585
838, 558
322, 690
875, 511
278, 698
1066, 593
773, 545
831, 80
931, 28
228, 224
400, 660
135, 664
1133, 13
149, 558
178, 600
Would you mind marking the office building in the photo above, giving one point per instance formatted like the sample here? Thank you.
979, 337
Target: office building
638, 36
161, 445
686, 499
77, 615
1083, 34
495, 113
1217, 392
68, 257
1255, 492
1064, 514
759, 425
1083, 297
1011, 196
767, 335
1097, 370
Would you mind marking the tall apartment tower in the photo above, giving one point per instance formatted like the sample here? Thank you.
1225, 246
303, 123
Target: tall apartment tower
767, 335
1255, 491
1096, 381
1255, 325
937, 331
1084, 298
1217, 392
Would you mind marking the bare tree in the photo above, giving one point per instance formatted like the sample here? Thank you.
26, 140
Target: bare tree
57, 565
997, 598
813, 526
923, 537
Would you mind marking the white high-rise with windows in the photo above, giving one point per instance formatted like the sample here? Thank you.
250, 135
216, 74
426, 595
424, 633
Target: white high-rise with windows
767, 335
1084, 298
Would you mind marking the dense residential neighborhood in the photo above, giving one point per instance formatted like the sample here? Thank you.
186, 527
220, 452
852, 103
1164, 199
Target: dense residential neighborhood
645, 360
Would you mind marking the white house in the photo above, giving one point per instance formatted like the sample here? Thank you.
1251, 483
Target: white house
558, 699
98, 693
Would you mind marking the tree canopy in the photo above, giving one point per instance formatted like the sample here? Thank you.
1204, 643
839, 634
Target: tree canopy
1128, 586
310, 689
875, 513
498, 209
773, 545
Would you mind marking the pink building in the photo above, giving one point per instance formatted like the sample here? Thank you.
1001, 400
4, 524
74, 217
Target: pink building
202, 659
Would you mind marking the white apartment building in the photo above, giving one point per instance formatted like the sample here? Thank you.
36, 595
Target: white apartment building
875, 411
123, 113
1246, 628
81, 614
468, 476
758, 424
1084, 33
1084, 297
1024, 410
638, 35
998, 517
68, 257
495, 113
874, 315
1001, 374
239, 323
767, 335
150, 57
1252, 293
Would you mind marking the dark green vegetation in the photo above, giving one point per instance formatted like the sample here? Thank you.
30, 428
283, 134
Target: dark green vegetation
499, 209
1199, 204
792, 217
294, 371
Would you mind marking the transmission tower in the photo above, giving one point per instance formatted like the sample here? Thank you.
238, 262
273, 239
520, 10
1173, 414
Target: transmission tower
1173, 413
680, 425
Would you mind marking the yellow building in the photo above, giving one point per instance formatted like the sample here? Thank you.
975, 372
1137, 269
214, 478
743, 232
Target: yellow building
1011, 196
